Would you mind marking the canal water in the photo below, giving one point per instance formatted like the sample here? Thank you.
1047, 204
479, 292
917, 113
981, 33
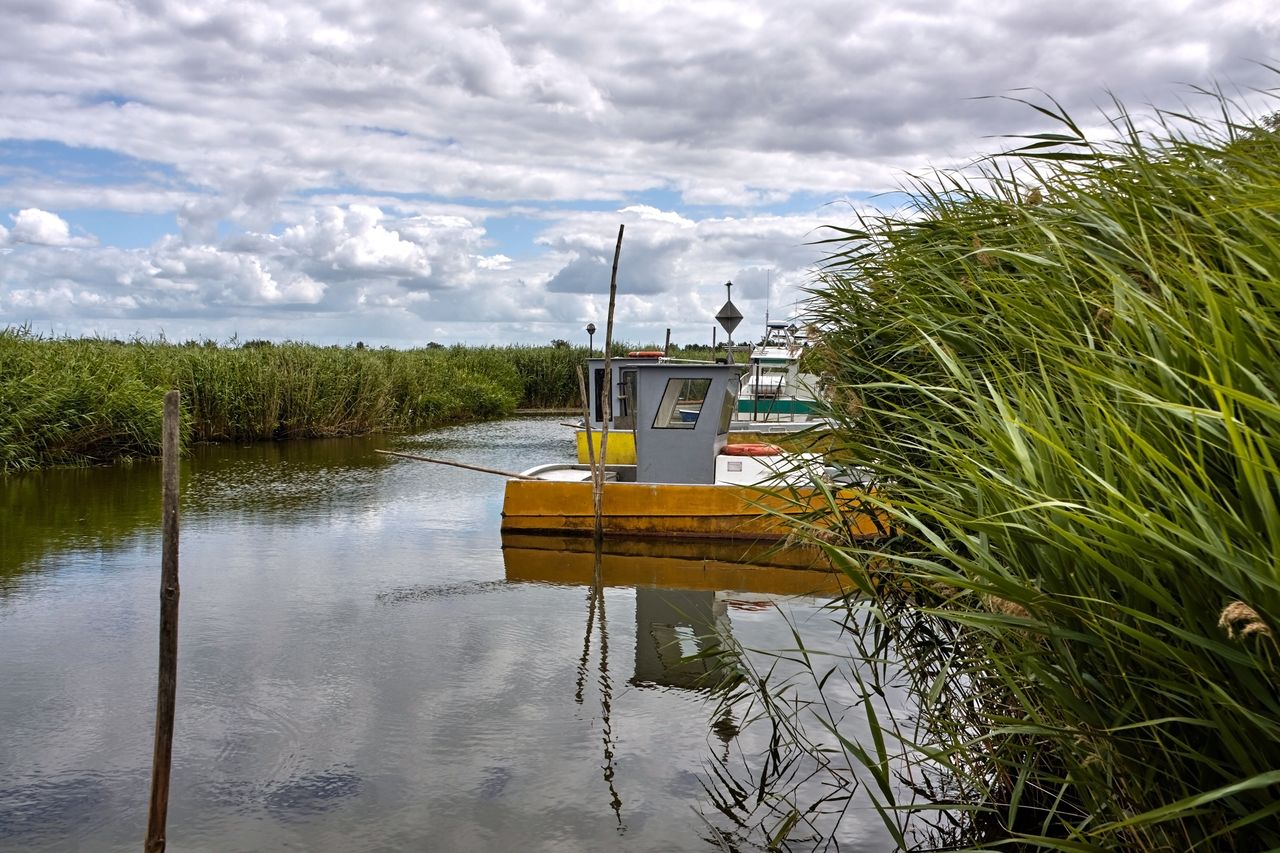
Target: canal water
363, 666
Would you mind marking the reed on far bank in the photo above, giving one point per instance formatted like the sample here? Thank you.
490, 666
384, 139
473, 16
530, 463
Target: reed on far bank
1062, 372
75, 401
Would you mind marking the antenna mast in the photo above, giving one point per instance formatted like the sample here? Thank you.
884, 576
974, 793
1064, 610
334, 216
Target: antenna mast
768, 289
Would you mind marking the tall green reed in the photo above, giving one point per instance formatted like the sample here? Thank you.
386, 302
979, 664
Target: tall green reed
69, 401
1062, 372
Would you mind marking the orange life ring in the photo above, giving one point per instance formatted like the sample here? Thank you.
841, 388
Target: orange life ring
752, 450
648, 353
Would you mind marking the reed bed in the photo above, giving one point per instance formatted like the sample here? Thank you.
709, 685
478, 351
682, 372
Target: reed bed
1063, 373
77, 401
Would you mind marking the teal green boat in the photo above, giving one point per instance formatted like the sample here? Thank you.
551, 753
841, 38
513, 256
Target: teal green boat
774, 389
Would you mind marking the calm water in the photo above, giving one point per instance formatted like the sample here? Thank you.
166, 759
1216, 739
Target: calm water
361, 668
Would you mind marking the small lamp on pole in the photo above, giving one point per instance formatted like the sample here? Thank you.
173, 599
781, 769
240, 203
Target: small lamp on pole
591, 335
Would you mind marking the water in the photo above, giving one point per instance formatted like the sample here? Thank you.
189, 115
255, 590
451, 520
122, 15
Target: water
361, 665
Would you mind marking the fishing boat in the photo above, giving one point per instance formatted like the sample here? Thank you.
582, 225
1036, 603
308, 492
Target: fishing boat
775, 404
687, 480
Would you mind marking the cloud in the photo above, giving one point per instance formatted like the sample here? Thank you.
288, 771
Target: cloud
222, 277
354, 241
410, 168
41, 228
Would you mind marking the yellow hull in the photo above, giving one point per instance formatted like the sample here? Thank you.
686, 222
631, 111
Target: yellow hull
622, 443
667, 509
679, 565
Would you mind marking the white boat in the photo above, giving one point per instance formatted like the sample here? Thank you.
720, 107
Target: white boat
775, 388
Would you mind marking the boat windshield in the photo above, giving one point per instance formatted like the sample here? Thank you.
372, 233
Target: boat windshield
681, 404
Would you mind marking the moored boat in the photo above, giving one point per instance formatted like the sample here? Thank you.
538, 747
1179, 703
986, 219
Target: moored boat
776, 389
686, 481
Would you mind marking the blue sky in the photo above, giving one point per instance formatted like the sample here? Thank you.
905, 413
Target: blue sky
402, 173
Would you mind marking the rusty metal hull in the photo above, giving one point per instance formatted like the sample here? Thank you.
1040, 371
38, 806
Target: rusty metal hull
674, 510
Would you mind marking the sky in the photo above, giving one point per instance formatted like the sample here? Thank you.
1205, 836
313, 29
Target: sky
398, 173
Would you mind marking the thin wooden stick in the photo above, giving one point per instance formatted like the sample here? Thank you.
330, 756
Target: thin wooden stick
482, 470
167, 677
606, 399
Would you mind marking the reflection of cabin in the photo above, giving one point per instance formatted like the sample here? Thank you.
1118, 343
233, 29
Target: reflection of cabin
673, 627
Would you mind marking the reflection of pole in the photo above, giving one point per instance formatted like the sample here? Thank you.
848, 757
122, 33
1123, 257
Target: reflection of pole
606, 701
586, 645
595, 604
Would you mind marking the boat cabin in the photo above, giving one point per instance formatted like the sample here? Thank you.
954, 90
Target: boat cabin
622, 403
678, 415
682, 417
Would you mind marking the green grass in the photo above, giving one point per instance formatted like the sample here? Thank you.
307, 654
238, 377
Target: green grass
1063, 370
77, 401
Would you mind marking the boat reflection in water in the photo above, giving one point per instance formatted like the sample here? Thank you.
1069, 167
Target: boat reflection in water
751, 567
684, 590
684, 593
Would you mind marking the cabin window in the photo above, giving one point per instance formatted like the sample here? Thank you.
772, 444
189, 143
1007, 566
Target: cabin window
727, 409
598, 378
682, 403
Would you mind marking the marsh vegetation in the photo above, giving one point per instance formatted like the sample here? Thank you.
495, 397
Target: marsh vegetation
1062, 369
75, 401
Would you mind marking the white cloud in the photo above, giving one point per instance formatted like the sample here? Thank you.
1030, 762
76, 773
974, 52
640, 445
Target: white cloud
42, 228
233, 278
365, 167
355, 241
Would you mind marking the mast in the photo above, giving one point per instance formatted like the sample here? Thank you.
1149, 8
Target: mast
768, 287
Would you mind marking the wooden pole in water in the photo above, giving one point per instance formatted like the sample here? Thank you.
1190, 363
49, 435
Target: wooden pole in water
666, 348
167, 679
606, 399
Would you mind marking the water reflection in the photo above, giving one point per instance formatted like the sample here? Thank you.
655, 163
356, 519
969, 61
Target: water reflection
671, 563
682, 622
48, 512
288, 479
679, 633
52, 806
683, 594
51, 512
365, 663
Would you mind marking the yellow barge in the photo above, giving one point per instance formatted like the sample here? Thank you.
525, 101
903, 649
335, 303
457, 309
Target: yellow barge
688, 481
670, 509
